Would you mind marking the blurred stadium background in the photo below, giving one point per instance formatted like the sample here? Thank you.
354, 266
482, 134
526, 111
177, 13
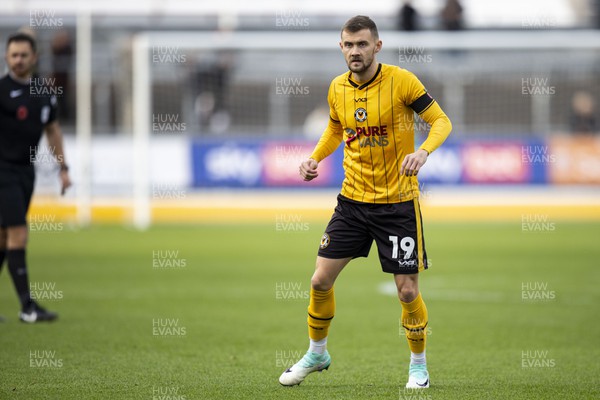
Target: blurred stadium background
231, 96
189, 118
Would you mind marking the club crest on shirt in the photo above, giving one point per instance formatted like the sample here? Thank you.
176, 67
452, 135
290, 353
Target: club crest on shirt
360, 114
325, 241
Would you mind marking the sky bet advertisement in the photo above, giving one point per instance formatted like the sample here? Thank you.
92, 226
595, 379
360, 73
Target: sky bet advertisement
269, 163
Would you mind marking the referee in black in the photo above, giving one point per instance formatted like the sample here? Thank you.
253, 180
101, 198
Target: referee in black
26, 110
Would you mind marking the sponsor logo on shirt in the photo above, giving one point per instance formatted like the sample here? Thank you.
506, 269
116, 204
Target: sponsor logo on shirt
368, 136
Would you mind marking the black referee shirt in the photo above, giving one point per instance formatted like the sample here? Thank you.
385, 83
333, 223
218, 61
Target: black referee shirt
25, 109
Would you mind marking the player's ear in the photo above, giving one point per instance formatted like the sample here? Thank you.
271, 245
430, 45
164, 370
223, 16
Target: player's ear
341, 46
378, 46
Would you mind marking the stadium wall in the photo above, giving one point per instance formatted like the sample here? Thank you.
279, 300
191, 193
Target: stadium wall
274, 163
195, 180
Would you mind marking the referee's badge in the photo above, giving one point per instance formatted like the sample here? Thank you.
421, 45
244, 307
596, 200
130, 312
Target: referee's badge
325, 241
22, 113
360, 114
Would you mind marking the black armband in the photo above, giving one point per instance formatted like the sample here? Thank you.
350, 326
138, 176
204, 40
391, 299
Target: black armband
422, 103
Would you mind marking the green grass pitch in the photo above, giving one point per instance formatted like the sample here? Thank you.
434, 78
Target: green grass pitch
218, 312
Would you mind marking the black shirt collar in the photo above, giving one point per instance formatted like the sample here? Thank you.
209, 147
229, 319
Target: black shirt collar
364, 85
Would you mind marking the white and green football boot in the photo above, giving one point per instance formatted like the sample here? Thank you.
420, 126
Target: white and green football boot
311, 362
418, 377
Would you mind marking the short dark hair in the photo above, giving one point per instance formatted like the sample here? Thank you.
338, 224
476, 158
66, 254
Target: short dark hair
21, 37
359, 23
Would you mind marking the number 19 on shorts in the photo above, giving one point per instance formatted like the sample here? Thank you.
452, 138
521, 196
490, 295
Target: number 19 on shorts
407, 244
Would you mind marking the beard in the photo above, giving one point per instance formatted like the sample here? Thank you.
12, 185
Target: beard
364, 65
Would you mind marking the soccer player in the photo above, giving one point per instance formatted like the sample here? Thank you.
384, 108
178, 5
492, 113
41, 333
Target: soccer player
371, 110
24, 114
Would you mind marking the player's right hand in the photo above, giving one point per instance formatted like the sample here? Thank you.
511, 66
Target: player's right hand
308, 169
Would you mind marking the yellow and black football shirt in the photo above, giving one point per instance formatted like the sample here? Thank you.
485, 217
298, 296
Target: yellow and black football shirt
376, 121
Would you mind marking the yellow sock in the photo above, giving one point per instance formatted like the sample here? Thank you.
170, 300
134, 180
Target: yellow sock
321, 309
414, 321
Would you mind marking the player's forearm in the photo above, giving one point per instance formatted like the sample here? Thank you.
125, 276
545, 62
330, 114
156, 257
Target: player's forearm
55, 141
330, 140
440, 128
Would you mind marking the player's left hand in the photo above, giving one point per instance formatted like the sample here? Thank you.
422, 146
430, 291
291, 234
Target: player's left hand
413, 162
65, 182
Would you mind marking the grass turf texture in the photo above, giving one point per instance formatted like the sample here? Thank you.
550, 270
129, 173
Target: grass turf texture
240, 333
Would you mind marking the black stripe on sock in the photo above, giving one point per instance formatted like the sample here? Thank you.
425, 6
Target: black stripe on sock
415, 329
320, 319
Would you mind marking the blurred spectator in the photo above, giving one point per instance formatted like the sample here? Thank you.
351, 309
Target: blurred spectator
583, 114
212, 86
407, 17
452, 14
62, 57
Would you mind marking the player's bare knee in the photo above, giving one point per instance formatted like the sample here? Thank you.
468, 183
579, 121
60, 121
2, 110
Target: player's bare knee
408, 290
321, 279
16, 237
320, 282
407, 293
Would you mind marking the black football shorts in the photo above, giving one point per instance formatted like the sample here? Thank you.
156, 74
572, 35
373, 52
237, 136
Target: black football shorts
396, 229
16, 188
